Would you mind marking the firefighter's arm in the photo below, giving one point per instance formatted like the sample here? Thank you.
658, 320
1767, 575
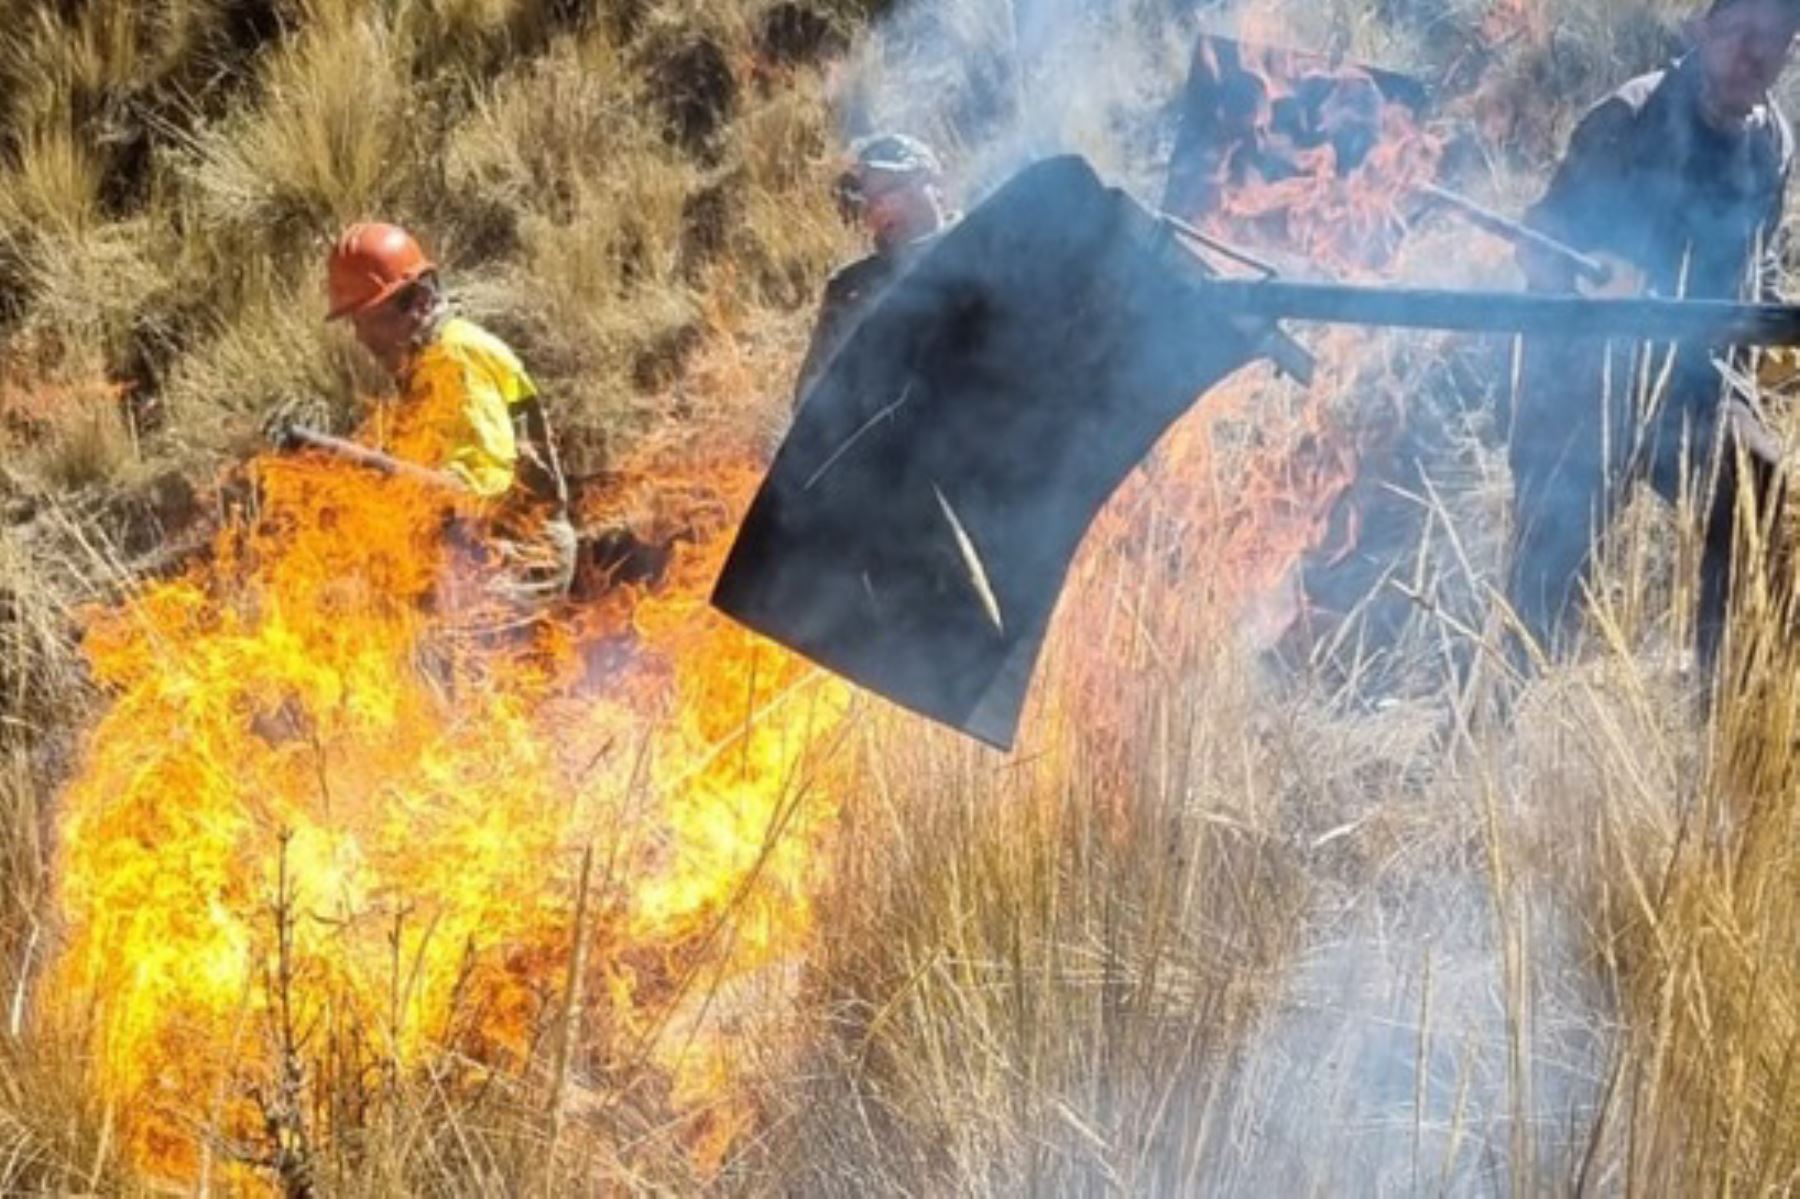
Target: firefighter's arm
1582, 192
289, 430
827, 336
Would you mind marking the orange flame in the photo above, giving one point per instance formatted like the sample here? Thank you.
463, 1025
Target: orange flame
1300, 160
320, 821
1306, 159
303, 703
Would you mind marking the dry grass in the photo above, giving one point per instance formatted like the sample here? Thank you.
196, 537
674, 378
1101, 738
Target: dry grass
336, 136
607, 233
1248, 934
1037, 970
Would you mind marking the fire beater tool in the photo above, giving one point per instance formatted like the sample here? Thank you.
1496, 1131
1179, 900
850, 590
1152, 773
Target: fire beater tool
298, 435
918, 522
1586, 268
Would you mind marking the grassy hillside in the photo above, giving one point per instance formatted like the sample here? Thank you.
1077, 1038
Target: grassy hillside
1374, 917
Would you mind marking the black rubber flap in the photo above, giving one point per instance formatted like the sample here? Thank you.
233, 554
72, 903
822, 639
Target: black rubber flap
919, 521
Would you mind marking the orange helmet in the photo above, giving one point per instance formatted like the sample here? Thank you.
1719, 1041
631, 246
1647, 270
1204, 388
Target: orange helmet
371, 262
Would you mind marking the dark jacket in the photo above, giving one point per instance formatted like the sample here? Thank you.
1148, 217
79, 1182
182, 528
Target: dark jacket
1646, 179
850, 295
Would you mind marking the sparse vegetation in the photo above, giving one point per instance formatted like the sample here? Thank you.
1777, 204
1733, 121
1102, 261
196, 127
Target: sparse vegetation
1226, 926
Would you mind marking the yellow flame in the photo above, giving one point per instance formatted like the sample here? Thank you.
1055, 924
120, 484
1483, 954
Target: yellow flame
303, 702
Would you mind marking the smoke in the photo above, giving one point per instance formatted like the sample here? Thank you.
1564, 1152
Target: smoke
998, 83
1405, 1060
1407, 1052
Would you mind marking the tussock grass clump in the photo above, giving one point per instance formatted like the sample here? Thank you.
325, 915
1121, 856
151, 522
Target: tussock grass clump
123, 81
542, 127
51, 1140
275, 350
577, 178
1663, 842
561, 168
53, 183
63, 426
1697, 879
337, 135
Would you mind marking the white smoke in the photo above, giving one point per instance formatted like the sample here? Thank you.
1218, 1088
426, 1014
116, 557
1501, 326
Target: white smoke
997, 83
1392, 1062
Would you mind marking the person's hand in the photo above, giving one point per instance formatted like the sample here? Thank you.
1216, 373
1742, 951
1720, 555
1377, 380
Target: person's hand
289, 411
1623, 281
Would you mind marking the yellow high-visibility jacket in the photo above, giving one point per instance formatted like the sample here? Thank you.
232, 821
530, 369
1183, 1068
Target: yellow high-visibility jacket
458, 400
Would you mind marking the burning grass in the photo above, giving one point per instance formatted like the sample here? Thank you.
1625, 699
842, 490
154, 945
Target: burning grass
334, 887
379, 797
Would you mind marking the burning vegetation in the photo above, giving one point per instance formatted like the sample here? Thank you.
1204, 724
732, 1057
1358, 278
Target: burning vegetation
327, 875
335, 824
1286, 155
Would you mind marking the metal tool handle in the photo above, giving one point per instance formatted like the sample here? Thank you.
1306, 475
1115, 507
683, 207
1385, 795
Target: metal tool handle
1709, 322
1586, 268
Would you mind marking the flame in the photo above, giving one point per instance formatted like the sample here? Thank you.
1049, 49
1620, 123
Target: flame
1302, 158
1293, 158
332, 828
324, 827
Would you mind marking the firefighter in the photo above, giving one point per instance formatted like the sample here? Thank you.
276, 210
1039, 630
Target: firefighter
894, 188
1678, 179
464, 394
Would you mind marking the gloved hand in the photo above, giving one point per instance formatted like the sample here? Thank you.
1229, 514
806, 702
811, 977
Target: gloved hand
1625, 280
285, 413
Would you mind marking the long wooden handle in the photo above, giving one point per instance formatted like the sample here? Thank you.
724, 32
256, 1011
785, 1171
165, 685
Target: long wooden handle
362, 455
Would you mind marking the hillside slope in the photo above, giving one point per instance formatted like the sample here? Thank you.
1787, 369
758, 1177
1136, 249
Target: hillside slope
644, 905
